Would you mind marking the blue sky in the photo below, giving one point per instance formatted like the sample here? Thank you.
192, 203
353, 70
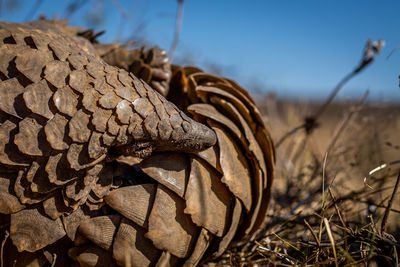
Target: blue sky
295, 48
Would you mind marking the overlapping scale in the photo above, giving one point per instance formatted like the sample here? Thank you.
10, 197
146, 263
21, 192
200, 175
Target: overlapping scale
133, 202
100, 230
168, 223
30, 230
208, 201
125, 249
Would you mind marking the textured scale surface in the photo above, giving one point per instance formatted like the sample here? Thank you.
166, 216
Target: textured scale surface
150, 64
73, 133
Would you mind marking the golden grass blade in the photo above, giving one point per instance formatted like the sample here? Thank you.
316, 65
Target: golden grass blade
328, 230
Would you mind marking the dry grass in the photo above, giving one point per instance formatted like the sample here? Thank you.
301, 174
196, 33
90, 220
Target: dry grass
322, 212
334, 199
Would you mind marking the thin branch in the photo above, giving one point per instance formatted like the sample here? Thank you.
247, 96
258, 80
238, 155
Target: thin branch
291, 132
387, 211
392, 52
2, 247
312, 232
328, 230
178, 27
54, 260
288, 258
344, 123
371, 50
337, 208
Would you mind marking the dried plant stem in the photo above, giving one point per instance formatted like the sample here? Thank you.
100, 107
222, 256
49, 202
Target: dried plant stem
345, 122
370, 51
287, 243
312, 232
337, 208
328, 230
2, 247
280, 255
54, 260
333, 93
323, 182
288, 134
389, 206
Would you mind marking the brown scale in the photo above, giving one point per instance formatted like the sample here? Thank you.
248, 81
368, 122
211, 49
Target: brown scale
127, 93
10, 203
62, 110
95, 147
168, 223
56, 73
65, 100
54, 206
77, 61
55, 132
170, 169
25, 222
128, 235
110, 100
100, 118
214, 216
78, 127
124, 111
78, 79
35, 95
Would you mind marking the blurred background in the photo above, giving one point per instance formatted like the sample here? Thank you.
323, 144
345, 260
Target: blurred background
294, 49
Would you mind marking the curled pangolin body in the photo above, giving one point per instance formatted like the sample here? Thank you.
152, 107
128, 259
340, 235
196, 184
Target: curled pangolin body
63, 113
206, 199
66, 114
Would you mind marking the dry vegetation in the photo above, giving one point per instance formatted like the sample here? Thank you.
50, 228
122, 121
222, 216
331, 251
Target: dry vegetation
334, 197
322, 212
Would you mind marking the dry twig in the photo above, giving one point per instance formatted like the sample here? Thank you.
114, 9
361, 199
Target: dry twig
2, 247
389, 206
371, 50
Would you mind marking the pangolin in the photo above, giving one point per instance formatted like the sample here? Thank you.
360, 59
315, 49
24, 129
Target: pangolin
64, 113
171, 208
